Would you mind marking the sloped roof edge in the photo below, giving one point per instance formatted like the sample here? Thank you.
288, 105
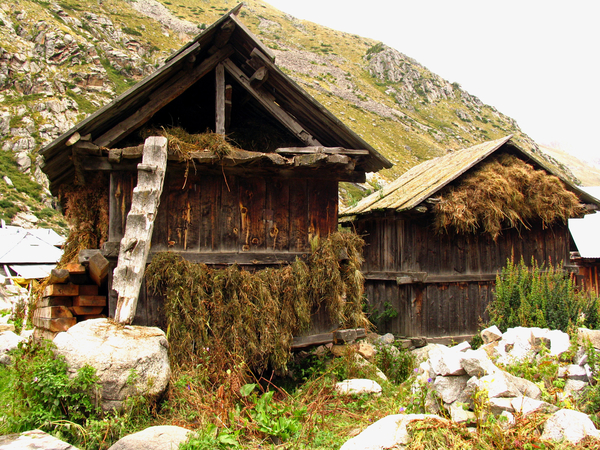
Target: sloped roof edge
429, 177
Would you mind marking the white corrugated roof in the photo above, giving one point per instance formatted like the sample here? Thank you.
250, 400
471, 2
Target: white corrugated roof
31, 271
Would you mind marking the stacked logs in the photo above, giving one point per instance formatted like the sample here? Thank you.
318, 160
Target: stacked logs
74, 293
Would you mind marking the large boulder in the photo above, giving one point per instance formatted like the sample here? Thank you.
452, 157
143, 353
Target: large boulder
33, 440
389, 432
8, 341
129, 360
568, 425
358, 386
153, 438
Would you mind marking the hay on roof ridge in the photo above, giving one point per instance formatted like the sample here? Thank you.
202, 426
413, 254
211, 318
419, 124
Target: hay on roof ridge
504, 192
183, 143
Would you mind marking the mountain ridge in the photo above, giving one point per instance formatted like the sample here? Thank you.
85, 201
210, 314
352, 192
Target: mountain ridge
60, 61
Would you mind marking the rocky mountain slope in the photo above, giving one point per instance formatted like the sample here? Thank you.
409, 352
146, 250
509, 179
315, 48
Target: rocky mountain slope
60, 61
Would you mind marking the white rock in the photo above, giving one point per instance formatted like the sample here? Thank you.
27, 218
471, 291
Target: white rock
573, 372
524, 387
32, 440
477, 363
500, 405
358, 386
386, 339
118, 353
506, 419
569, 425
449, 388
491, 334
386, 433
462, 347
153, 438
593, 336
497, 385
526, 406
9, 341
460, 415
445, 361
574, 387
559, 342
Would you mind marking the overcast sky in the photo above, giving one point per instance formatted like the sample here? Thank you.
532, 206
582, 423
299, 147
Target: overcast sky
535, 61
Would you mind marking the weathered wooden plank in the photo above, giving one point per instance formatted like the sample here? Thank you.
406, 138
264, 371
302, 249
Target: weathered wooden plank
228, 215
299, 216
242, 258
86, 310
322, 208
98, 269
252, 211
277, 214
320, 149
220, 99
54, 325
58, 276
89, 300
135, 245
160, 98
208, 213
54, 301
268, 102
52, 312
119, 202
61, 290
339, 337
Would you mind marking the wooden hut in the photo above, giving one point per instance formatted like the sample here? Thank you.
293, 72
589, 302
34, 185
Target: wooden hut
425, 278
256, 204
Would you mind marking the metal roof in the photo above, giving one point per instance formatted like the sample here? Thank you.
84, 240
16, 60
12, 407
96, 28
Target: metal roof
429, 177
586, 231
20, 246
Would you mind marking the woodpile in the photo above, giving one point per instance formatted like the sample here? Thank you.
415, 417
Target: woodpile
74, 293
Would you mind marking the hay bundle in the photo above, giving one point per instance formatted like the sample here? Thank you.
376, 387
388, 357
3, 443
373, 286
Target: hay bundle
86, 211
255, 315
183, 143
504, 192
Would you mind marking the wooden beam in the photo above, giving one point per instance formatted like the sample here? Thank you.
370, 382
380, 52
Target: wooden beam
316, 149
402, 278
162, 97
220, 99
337, 337
259, 45
269, 103
222, 36
259, 77
242, 259
228, 105
135, 245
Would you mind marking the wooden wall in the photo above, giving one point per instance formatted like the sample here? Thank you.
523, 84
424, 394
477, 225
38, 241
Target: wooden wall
588, 277
226, 218
229, 214
458, 270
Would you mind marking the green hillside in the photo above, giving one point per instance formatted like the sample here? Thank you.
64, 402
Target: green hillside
61, 61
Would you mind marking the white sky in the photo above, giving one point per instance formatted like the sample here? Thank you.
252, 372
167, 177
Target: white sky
537, 61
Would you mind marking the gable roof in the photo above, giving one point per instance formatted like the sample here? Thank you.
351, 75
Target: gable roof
585, 230
229, 42
426, 179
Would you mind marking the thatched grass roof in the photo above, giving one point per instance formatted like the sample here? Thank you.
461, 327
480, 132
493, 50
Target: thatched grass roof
429, 179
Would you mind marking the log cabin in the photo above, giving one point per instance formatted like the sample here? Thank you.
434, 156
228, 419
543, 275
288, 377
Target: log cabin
426, 277
585, 248
257, 204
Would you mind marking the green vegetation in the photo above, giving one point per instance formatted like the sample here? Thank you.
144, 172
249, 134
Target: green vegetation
540, 296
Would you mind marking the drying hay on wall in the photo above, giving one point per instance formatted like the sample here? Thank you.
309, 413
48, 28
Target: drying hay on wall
86, 211
255, 315
504, 192
182, 143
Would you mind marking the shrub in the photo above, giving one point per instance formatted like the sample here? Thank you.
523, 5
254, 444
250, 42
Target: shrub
540, 296
396, 363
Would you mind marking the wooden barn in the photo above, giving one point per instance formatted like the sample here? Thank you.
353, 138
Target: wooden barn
438, 235
255, 199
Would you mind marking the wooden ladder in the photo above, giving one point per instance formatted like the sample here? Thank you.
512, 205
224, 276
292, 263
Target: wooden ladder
135, 245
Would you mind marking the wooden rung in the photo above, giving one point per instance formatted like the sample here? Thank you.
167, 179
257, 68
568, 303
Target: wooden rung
86, 310
55, 301
61, 290
52, 312
55, 325
89, 300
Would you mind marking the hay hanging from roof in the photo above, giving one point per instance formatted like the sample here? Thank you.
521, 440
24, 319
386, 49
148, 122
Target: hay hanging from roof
254, 315
182, 143
504, 192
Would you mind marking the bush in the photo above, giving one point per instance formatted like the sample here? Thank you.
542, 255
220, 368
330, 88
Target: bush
396, 363
540, 296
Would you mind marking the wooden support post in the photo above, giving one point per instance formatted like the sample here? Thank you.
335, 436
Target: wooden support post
135, 245
220, 99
